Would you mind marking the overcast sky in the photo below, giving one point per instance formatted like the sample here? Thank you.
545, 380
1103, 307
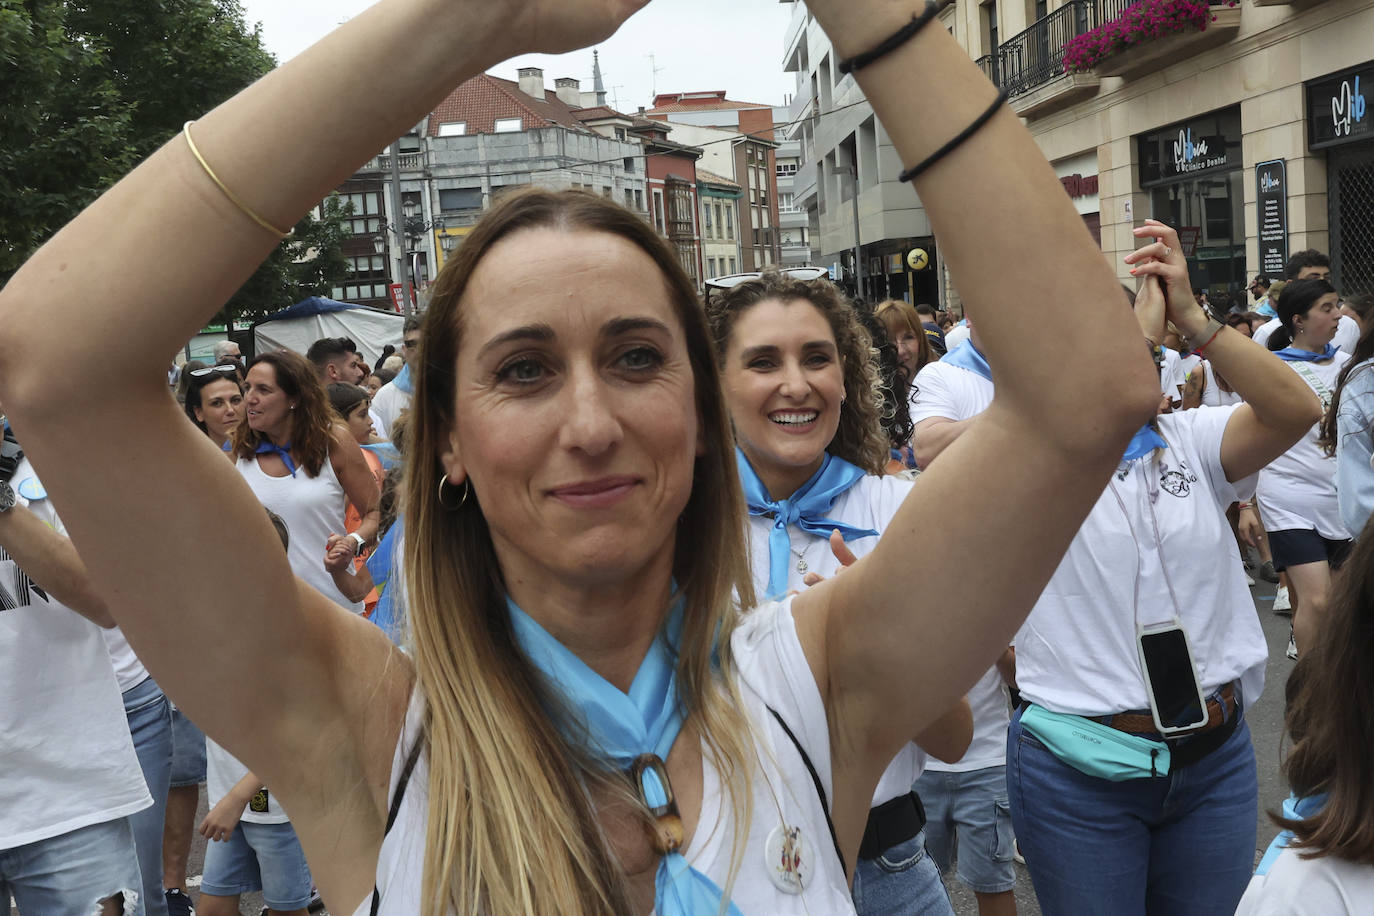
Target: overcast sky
735, 45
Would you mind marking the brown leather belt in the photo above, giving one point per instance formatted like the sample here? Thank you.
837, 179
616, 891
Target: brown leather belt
1221, 708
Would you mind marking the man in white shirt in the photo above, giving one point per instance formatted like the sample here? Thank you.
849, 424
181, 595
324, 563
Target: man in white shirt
394, 396
69, 778
962, 798
1307, 265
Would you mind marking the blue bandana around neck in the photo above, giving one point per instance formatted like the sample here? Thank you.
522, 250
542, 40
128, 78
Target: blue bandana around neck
1265, 309
805, 508
1294, 808
620, 727
967, 356
1294, 355
1145, 440
266, 446
403, 380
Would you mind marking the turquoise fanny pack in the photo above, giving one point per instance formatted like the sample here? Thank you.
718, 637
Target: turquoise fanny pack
1095, 749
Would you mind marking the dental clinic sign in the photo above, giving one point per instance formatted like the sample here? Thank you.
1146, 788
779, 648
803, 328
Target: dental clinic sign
1338, 108
1210, 143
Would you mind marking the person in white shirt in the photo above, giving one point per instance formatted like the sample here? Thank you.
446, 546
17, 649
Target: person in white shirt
796, 350
1106, 825
394, 397
1322, 863
1297, 491
573, 509
69, 777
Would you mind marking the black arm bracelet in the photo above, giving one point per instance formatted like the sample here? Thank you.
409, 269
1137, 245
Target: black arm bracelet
896, 39
911, 173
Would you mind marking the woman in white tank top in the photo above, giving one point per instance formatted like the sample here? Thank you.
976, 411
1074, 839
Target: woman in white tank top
305, 466
575, 552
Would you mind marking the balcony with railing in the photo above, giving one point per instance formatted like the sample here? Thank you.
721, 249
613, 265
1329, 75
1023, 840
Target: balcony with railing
1148, 35
1030, 65
417, 161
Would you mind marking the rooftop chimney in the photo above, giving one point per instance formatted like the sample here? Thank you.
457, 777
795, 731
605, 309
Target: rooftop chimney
569, 91
532, 82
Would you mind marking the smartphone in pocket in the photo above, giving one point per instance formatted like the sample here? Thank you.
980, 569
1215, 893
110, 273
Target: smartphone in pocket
1166, 658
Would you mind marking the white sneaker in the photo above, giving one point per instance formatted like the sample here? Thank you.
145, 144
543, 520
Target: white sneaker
1292, 645
1249, 579
1281, 603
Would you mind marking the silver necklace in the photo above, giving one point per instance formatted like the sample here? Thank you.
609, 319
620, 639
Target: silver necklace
801, 559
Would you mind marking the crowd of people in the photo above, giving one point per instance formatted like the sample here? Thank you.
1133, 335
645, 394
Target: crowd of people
611, 596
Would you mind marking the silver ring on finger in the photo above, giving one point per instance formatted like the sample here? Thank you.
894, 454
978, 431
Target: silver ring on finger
1168, 251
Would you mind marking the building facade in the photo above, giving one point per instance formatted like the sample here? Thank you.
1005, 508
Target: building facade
720, 241
860, 221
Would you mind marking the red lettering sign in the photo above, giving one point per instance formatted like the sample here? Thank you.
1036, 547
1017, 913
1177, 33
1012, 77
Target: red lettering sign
1077, 186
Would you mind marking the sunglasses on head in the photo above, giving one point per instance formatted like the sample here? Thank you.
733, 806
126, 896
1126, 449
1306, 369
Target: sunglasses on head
794, 273
210, 370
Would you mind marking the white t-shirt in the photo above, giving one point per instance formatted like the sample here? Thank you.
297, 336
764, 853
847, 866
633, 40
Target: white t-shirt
1076, 652
870, 503
1295, 886
1169, 380
949, 391
1186, 364
1212, 393
66, 758
222, 772
1298, 489
772, 672
129, 671
957, 335
1266, 330
955, 393
1347, 335
387, 406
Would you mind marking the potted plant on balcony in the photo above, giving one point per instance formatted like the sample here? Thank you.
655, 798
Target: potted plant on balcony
1137, 24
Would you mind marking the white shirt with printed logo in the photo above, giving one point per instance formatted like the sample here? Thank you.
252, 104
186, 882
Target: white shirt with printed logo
1076, 652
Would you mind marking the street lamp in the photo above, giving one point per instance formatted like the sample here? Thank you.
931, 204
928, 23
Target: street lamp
407, 235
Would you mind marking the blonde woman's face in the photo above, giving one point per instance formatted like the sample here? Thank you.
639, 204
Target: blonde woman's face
784, 385
575, 413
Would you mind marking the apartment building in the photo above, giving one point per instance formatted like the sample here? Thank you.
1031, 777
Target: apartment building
1246, 127
859, 220
720, 241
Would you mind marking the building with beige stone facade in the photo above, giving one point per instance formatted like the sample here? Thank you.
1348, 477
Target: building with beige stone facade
1252, 136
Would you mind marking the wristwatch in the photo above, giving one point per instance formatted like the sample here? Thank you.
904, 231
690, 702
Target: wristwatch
10, 456
358, 542
6, 496
1205, 336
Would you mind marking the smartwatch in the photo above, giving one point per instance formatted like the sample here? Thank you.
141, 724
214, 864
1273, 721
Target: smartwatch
358, 543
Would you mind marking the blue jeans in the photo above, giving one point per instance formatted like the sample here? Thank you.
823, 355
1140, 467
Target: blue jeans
188, 751
1182, 844
968, 812
67, 875
150, 724
903, 880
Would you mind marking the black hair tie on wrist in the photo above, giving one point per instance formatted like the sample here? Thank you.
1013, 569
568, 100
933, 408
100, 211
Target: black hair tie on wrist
896, 39
911, 173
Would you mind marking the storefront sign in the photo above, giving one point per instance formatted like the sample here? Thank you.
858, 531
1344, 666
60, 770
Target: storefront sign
1272, 184
917, 259
1338, 110
1078, 185
1188, 237
1205, 144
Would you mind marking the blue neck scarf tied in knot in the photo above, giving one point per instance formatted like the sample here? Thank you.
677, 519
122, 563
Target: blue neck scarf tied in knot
266, 446
626, 729
806, 508
967, 356
403, 380
1294, 355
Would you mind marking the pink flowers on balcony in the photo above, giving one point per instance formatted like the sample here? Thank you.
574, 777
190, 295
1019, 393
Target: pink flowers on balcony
1137, 24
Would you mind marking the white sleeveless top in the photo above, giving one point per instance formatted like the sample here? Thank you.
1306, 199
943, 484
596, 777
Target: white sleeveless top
1212, 393
313, 509
773, 672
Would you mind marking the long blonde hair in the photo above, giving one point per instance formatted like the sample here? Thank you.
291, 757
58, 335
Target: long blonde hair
511, 827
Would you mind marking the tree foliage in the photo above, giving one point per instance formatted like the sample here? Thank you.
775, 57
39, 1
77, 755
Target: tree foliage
90, 87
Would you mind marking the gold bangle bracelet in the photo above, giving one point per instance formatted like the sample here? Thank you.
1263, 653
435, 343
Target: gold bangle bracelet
233, 198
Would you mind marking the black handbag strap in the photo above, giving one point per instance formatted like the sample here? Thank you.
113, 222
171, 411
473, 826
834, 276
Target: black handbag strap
820, 789
401, 784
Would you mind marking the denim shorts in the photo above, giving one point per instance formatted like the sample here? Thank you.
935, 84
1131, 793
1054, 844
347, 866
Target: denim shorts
970, 811
66, 874
903, 881
188, 751
259, 857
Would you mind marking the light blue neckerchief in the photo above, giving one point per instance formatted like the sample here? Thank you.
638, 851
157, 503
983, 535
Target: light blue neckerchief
386, 453
805, 508
621, 727
1265, 309
403, 380
266, 446
1294, 355
1294, 808
967, 356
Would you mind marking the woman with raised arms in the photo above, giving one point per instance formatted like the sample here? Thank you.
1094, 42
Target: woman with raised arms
576, 568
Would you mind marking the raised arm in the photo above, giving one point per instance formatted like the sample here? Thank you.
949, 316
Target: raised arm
1037, 459
165, 515
1279, 407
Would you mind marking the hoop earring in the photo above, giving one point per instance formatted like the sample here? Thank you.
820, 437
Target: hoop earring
443, 482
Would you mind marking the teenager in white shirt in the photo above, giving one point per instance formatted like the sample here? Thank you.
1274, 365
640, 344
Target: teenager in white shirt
1297, 491
570, 460
1105, 824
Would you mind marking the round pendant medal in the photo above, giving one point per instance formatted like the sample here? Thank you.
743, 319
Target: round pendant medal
788, 855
